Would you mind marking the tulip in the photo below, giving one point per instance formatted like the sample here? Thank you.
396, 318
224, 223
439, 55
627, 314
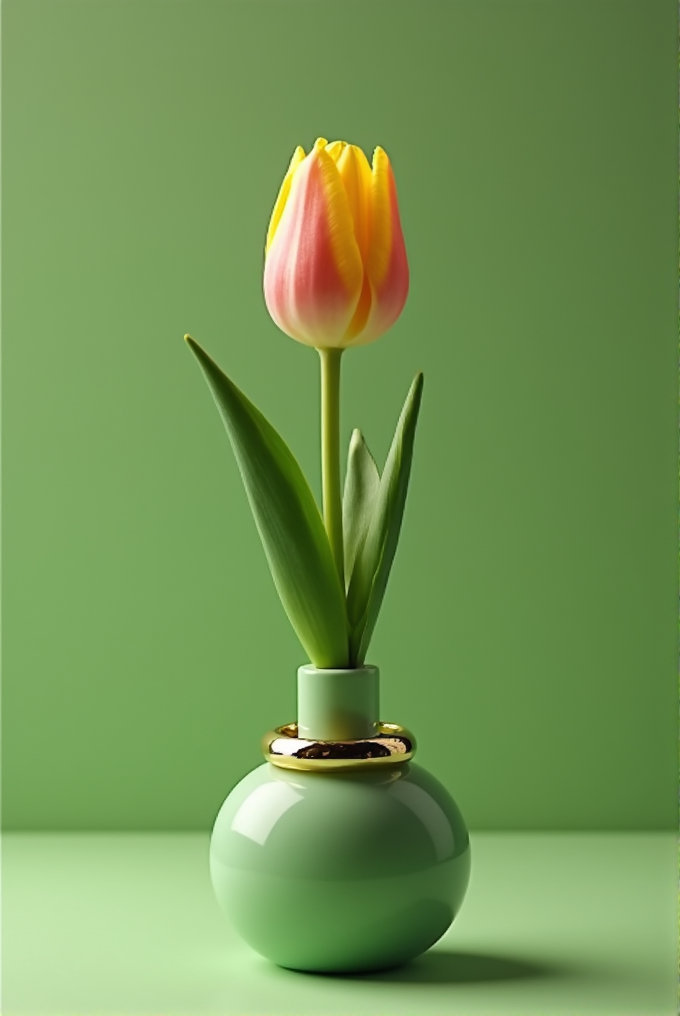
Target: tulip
336, 273
335, 276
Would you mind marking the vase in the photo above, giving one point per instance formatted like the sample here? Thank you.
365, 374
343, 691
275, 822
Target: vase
339, 854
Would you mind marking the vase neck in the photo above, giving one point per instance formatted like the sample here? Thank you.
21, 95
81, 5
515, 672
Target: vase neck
337, 705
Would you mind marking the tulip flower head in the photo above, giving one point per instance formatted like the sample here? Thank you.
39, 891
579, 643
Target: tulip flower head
336, 273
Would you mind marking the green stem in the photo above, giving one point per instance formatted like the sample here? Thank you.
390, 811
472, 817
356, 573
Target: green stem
330, 455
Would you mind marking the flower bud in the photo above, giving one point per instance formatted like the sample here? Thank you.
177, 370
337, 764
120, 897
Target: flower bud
336, 273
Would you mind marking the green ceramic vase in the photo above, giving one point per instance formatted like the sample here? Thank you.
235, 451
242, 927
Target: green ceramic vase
340, 856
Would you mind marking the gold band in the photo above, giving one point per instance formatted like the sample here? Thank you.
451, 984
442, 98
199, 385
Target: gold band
390, 745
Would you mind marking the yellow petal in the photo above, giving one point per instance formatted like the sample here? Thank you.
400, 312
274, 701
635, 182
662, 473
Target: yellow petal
355, 174
284, 191
387, 264
341, 227
335, 149
381, 218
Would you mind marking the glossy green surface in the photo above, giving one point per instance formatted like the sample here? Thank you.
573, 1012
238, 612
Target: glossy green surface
340, 872
338, 705
127, 925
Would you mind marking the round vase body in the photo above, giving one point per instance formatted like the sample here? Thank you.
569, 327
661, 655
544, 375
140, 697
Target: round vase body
340, 871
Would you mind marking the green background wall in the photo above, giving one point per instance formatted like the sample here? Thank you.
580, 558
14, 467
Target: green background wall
528, 634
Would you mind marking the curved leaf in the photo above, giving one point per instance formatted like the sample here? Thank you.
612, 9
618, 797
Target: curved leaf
375, 556
361, 486
287, 519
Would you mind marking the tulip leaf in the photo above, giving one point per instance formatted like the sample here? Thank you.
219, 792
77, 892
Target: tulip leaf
376, 553
288, 521
361, 486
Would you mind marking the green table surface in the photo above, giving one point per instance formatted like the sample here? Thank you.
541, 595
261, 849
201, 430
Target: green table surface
575, 923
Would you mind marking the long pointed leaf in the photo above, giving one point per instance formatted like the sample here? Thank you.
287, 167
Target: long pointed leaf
287, 519
361, 486
375, 556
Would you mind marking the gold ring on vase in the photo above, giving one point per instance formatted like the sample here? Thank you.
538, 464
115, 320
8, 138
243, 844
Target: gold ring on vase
390, 745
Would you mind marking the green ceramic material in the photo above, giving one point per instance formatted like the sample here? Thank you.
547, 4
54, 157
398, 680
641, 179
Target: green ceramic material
337, 705
345, 871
